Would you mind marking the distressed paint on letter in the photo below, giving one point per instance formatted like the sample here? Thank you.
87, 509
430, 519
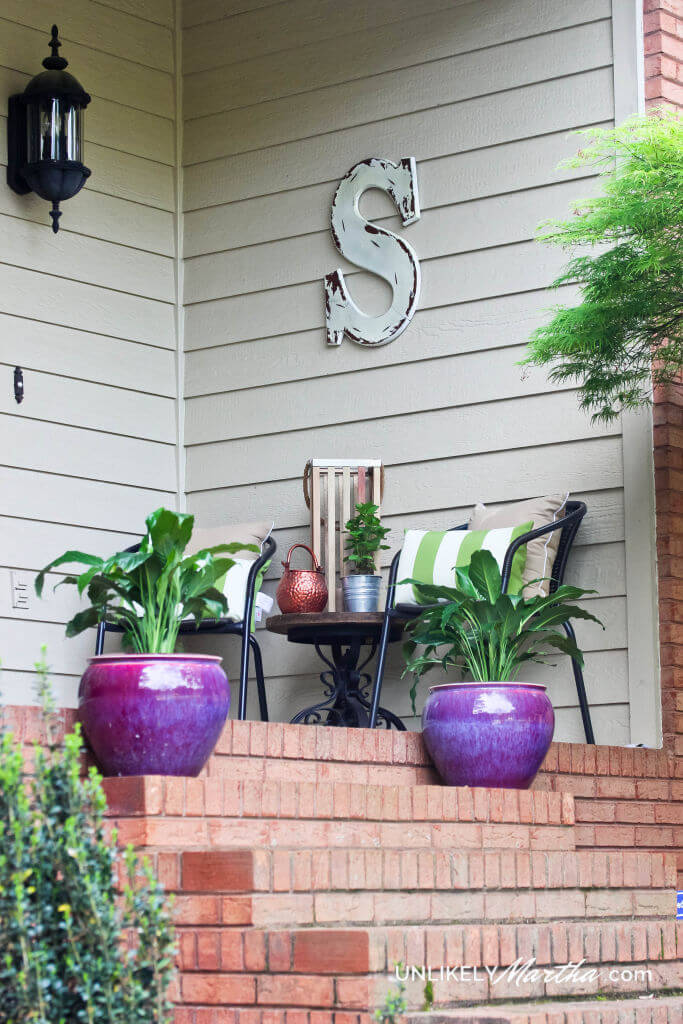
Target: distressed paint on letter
375, 249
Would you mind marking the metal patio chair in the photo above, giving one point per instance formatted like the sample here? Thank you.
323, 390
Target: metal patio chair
225, 626
568, 524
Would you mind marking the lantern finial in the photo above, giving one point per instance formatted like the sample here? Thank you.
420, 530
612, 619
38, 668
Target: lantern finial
55, 62
55, 213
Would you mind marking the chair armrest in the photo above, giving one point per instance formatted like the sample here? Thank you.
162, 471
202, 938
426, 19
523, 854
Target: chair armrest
269, 549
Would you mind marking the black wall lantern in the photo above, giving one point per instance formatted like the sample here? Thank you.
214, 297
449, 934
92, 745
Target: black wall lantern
45, 134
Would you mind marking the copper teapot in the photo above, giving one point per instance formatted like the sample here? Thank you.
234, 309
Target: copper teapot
302, 590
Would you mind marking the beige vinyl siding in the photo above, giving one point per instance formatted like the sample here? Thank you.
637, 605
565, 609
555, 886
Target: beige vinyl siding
280, 101
89, 314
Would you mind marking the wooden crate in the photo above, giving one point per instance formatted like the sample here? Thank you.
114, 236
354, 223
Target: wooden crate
333, 487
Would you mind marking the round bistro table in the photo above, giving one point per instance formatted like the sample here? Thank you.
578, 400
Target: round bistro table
346, 687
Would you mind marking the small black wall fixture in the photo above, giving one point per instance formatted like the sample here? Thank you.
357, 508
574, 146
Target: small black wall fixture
45, 134
18, 385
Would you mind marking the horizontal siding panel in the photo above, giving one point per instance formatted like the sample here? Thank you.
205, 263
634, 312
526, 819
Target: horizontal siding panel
131, 177
99, 27
22, 687
100, 216
488, 324
252, 33
92, 406
511, 167
398, 93
30, 547
85, 307
162, 12
439, 484
36, 247
89, 357
198, 12
484, 223
465, 277
71, 451
29, 495
611, 724
472, 124
385, 391
65, 657
113, 78
457, 29
509, 425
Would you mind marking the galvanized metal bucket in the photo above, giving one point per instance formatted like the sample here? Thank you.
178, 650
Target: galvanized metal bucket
361, 593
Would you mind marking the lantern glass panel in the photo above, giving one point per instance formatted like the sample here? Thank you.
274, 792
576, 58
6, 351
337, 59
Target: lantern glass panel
54, 130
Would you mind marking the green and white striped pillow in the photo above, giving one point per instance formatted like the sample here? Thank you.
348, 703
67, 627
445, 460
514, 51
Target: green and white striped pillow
431, 556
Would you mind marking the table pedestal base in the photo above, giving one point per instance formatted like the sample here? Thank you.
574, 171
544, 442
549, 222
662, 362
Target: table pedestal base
346, 689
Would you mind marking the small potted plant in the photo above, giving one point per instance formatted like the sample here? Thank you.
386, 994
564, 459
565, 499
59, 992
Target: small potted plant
151, 711
491, 731
365, 536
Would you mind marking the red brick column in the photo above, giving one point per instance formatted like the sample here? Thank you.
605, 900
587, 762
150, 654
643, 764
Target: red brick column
663, 44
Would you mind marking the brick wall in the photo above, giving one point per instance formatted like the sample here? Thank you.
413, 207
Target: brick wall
663, 45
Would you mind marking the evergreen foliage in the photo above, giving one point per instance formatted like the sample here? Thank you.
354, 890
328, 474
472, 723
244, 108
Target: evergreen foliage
627, 332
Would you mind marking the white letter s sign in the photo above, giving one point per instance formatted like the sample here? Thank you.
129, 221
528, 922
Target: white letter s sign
375, 249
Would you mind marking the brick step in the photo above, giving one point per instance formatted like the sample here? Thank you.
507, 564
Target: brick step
656, 1010
187, 834
191, 813
156, 795
309, 871
300, 983
362, 993
354, 950
314, 746
381, 907
194, 1014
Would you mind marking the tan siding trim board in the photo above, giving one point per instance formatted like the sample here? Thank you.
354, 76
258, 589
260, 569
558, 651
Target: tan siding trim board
645, 702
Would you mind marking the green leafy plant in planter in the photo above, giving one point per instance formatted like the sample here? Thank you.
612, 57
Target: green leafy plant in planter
479, 630
150, 591
365, 534
626, 333
152, 712
72, 947
492, 730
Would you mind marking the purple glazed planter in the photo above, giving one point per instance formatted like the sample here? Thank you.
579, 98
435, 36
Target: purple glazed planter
488, 734
153, 714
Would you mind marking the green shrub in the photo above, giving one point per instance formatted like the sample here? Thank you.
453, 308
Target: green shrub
629, 265
73, 949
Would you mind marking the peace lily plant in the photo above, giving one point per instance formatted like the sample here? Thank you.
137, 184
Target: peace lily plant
152, 712
477, 629
148, 592
492, 731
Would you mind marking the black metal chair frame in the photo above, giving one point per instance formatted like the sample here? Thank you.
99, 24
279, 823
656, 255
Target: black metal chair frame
568, 524
225, 626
